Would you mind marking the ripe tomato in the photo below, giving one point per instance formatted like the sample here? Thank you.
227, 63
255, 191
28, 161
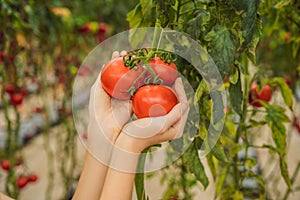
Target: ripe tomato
264, 95
24, 91
33, 178
86, 28
165, 71
22, 181
153, 101
5, 164
10, 89
38, 109
288, 81
117, 79
296, 123
16, 99
102, 28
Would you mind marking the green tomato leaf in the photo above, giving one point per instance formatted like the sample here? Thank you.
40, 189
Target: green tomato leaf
236, 96
222, 48
140, 16
219, 153
251, 50
196, 24
275, 119
285, 90
249, 22
284, 171
193, 164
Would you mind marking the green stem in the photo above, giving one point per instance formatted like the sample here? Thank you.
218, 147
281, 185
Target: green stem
295, 174
241, 126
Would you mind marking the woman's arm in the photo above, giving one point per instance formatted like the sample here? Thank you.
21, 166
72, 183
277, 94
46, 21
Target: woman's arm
91, 180
103, 130
120, 176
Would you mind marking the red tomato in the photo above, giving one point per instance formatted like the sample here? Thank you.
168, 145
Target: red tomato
33, 178
117, 79
165, 71
5, 164
264, 95
16, 99
10, 89
24, 91
22, 181
288, 81
153, 101
38, 109
102, 28
85, 28
2, 56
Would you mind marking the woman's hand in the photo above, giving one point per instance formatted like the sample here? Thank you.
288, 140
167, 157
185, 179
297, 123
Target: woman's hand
107, 116
142, 133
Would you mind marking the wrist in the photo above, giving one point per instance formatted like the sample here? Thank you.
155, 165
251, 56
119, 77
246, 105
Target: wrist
129, 143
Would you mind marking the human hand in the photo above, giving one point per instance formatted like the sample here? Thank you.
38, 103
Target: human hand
142, 133
107, 116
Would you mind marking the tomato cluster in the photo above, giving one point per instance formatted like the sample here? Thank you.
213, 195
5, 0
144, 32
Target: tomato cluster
16, 95
255, 95
22, 181
147, 85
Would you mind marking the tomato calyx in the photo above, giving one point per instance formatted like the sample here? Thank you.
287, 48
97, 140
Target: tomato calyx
149, 60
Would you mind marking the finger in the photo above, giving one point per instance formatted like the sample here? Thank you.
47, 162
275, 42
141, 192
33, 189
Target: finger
99, 99
149, 127
115, 54
123, 53
179, 89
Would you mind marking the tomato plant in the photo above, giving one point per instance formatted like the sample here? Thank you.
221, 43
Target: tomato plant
153, 101
230, 32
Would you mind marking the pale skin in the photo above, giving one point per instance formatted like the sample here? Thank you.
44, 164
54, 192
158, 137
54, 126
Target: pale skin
98, 180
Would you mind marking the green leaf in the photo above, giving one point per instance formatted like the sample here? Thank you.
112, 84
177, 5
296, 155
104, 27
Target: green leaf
282, 3
249, 22
222, 48
211, 164
285, 90
196, 23
233, 78
251, 50
218, 109
284, 171
218, 152
193, 164
236, 96
140, 16
202, 89
275, 119
221, 180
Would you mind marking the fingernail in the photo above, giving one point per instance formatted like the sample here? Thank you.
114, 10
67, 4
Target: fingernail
183, 106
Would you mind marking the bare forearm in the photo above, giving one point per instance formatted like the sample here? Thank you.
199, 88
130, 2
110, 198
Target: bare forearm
91, 180
120, 176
